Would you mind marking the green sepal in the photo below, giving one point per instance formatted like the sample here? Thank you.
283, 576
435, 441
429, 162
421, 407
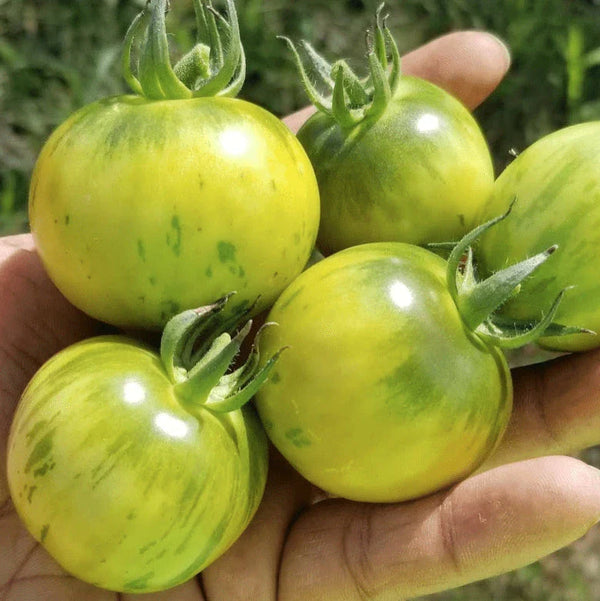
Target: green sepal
197, 352
320, 65
215, 66
380, 38
207, 29
238, 388
340, 105
356, 95
478, 301
132, 34
460, 248
382, 92
157, 45
396, 70
511, 334
230, 64
347, 98
211, 367
321, 102
182, 333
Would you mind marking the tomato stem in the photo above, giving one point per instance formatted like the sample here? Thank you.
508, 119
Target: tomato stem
214, 67
239, 387
207, 373
182, 334
197, 351
193, 65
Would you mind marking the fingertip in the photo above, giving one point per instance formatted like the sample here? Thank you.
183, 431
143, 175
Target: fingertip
517, 513
566, 486
296, 120
578, 485
468, 64
496, 42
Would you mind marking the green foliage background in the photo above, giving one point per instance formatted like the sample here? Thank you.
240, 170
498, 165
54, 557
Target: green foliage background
57, 56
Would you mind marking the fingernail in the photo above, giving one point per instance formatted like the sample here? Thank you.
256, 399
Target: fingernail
504, 47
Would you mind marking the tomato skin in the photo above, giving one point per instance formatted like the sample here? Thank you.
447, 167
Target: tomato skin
557, 190
418, 174
141, 209
383, 395
123, 487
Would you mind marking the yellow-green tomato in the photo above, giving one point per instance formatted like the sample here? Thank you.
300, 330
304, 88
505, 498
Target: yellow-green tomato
419, 173
125, 488
555, 186
383, 394
143, 208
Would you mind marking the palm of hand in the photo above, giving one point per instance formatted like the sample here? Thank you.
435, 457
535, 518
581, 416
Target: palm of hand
297, 549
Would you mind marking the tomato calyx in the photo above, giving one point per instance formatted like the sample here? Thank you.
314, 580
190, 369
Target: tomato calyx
215, 66
478, 301
349, 99
197, 351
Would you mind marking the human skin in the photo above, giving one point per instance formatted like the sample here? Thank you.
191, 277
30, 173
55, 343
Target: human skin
526, 502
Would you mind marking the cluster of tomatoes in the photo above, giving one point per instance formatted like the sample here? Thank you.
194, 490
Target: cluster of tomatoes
384, 377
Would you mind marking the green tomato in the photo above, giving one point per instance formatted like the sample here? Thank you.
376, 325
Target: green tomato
141, 209
125, 481
418, 174
556, 189
143, 206
396, 157
383, 394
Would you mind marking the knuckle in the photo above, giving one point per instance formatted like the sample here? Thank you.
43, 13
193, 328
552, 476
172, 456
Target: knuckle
448, 536
356, 552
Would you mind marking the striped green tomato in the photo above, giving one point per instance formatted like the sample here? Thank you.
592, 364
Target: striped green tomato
556, 187
384, 393
141, 209
420, 173
127, 486
396, 157
143, 206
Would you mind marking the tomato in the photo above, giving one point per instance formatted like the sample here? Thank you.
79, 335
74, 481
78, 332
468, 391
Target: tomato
411, 164
557, 190
144, 205
142, 209
131, 471
384, 393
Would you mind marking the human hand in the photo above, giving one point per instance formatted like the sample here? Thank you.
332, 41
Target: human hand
333, 550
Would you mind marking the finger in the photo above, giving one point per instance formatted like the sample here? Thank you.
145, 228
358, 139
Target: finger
35, 322
491, 523
556, 409
295, 120
35, 319
249, 570
468, 64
